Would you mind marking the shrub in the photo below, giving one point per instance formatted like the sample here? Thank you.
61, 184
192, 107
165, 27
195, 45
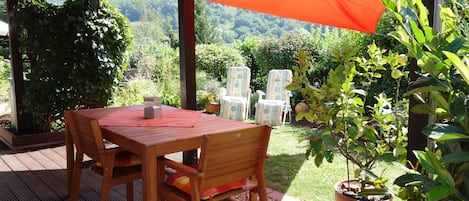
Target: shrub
166, 74
133, 92
5, 70
77, 56
280, 53
248, 47
214, 59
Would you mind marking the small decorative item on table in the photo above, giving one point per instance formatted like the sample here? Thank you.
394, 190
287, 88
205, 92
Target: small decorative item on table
152, 107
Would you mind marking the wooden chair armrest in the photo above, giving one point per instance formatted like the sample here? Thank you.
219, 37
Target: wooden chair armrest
179, 167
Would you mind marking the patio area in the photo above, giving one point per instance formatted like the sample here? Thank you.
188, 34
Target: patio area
41, 175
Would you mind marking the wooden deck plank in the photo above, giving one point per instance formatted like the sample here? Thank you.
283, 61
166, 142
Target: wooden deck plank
49, 177
87, 192
119, 191
5, 192
17, 186
26, 176
89, 179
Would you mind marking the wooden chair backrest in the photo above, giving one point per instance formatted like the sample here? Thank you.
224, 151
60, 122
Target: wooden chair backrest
86, 135
232, 156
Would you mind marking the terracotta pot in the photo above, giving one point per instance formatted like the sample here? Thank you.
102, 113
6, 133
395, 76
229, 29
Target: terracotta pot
301, 107
212, 107
340, 190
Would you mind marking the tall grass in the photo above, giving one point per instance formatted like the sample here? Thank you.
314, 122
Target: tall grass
288, 170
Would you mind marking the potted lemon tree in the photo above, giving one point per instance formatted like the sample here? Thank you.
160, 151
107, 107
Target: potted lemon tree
346, 125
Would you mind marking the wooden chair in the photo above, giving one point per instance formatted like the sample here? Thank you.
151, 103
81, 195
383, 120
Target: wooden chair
226, 159
114, 164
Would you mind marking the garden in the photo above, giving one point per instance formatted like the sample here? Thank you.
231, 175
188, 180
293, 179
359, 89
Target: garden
356, 87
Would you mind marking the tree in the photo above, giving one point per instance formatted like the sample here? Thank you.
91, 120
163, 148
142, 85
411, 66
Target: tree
204, 30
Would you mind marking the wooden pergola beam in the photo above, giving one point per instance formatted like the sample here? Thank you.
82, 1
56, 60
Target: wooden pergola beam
187, 54
187, 64
416, 140
17, 107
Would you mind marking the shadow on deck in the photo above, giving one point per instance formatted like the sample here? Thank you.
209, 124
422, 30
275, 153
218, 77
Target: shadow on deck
41, 175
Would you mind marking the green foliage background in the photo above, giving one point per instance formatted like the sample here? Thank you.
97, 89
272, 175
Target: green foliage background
75, 56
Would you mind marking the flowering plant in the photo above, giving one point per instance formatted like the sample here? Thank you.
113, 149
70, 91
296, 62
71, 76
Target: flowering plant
207, 97
209, 94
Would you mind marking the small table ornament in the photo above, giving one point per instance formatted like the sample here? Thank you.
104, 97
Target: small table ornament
152, 107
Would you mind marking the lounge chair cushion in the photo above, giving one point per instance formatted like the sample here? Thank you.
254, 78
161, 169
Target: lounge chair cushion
269, 112
233, 108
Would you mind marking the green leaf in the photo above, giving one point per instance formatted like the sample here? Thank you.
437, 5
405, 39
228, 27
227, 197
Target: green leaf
409, 179
426, 89
353, 131
459, 64
440, 191
318, 159
439, 100
428, 81
370, 133
421, 109
456, 157
443, 175
425, 161
418, 33
329, 156
455, 45
358, 101
436, 131
452, 136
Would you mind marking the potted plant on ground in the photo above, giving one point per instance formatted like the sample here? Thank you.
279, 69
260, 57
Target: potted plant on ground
209, 96
345, 124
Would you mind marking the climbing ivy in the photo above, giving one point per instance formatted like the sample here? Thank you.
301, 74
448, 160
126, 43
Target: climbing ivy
74, 56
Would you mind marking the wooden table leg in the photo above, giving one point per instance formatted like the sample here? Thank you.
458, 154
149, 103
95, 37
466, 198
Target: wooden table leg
149, 174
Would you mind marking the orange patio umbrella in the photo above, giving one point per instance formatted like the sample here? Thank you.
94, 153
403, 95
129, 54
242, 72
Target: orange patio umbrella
360, 15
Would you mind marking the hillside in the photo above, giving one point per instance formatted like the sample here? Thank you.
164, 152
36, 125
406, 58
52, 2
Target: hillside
232, 23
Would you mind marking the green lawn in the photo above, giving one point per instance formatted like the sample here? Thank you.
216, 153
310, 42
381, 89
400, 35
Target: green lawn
288, 171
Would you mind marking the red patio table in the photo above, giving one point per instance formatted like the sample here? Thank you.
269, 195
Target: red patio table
151, 141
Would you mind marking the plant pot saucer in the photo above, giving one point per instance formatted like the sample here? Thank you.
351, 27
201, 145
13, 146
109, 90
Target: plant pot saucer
347, 190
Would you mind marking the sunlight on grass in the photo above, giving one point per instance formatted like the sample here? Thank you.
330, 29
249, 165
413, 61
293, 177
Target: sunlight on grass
287, 170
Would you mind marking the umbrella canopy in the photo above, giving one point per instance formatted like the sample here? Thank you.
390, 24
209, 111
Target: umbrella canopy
360, 15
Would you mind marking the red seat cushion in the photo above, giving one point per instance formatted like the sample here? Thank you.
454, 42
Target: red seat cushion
181, 181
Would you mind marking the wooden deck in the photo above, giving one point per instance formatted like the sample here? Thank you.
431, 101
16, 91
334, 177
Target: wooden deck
40, 175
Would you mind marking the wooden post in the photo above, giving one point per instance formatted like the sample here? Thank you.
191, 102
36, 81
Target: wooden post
417, 122
17, 108
187, 64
